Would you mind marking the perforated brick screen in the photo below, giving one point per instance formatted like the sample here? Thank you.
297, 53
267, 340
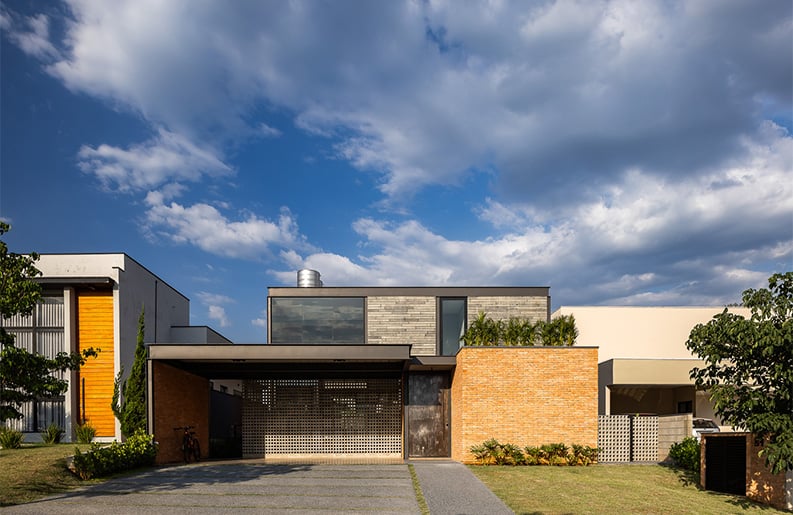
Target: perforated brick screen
614, 438
322, 416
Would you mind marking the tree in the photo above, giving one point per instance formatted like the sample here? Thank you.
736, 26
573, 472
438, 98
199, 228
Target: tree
749, 367
26, 376
129, 396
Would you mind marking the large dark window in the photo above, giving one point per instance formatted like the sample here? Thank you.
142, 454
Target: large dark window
452, 315
317, 320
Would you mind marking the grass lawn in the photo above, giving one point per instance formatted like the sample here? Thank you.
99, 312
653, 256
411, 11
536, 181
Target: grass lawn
611, 489
35, 471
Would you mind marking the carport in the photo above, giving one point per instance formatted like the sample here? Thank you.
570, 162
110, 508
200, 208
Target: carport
300, 402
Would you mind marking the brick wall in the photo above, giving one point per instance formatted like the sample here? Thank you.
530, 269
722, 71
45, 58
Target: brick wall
504, 308
762, 485
524, 396
401, 320
179, 399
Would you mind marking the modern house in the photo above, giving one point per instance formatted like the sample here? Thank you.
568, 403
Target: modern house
644, 364
95, 300
378, 373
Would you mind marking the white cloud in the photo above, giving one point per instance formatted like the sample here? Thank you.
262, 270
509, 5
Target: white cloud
423, 93
31, 34
218, 314
215, 303
214, 298
166, 157
206, 227
645, 240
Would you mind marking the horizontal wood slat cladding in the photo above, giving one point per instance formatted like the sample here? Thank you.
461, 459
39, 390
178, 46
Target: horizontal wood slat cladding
95, 329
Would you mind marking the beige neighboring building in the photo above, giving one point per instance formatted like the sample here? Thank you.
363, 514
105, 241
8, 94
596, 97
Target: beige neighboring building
643, 361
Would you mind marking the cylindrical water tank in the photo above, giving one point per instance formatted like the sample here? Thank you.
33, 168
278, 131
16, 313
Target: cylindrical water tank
307, 278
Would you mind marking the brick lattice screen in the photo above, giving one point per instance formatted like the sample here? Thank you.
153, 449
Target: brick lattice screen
322, 416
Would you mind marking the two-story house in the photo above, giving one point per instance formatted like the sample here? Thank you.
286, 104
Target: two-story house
379, 373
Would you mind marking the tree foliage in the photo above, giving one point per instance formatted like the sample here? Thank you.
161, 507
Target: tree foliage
26, 376
129, 396
749, 367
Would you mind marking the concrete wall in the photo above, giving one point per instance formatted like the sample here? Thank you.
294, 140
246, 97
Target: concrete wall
177, 398
639, 332
524, 396
671, 430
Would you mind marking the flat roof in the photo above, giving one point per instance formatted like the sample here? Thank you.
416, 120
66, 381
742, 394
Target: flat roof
415, 291
256, 361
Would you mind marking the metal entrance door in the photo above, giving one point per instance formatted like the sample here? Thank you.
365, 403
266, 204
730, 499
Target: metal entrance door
428, 416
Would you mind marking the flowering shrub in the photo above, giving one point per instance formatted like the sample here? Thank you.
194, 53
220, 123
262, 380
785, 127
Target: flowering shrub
138, 451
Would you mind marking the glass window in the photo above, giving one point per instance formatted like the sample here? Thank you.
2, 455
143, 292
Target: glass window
42, 333
453, 324
317, 320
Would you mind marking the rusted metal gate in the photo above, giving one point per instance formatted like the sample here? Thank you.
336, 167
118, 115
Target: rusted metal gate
428, 415
322, 416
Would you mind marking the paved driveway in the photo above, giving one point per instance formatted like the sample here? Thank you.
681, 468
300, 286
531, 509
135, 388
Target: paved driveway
242, 488
253, 487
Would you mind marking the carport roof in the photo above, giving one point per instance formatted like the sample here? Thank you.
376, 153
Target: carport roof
249, 361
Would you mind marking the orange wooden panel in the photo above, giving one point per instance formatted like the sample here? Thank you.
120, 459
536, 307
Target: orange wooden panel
95, 329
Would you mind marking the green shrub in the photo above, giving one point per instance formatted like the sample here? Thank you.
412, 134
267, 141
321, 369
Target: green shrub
685, 454
139, 450
52, 434
85, 433
493, 452
10, 439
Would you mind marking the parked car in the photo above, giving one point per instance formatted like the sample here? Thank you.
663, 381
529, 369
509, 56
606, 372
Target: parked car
704, 425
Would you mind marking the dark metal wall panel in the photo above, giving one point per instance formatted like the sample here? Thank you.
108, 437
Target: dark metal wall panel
319, 415
725, 464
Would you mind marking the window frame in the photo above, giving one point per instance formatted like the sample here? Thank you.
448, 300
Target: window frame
439, 323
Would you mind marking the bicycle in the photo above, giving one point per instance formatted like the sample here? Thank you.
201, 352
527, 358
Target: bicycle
190, 446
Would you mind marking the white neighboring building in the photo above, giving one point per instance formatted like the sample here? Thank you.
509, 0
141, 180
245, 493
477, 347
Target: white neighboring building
94, 300
644, 364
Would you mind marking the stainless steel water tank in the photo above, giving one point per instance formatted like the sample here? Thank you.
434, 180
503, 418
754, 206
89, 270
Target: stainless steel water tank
307, 278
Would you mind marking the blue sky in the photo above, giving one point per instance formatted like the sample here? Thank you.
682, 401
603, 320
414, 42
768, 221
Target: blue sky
631, 153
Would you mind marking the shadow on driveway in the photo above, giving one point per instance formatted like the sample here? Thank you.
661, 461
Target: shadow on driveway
233, 487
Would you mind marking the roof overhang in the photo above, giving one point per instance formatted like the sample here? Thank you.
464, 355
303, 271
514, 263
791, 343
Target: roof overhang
647, 372
75, 281
256, 361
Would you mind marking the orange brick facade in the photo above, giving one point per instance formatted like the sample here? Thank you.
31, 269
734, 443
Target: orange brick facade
179, 399
524, 396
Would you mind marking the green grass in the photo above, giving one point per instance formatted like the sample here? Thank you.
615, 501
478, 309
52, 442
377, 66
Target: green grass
609, 489
422, 502
35, 471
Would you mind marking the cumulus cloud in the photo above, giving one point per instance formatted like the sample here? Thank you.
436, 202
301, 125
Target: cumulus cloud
166, 157
646, 240
215, 304
425, 93
206, 227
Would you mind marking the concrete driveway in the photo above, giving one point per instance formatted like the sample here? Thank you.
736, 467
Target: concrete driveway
254, 487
